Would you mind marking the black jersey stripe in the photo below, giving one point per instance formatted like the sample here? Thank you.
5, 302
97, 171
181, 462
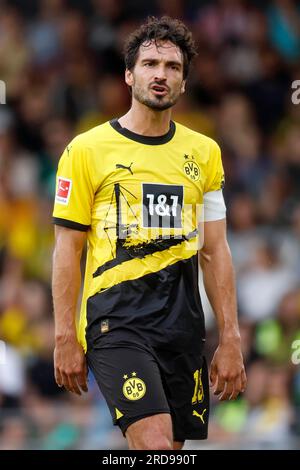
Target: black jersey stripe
163, 308
70, 224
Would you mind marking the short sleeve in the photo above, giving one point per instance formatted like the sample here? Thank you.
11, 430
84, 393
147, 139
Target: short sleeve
215, 178
74, 193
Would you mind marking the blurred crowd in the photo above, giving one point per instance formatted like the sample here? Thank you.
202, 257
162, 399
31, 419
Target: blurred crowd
62, 65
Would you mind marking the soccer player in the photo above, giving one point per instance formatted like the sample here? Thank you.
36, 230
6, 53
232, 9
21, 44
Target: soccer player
132, 188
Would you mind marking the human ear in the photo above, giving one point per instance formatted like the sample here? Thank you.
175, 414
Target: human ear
128, 77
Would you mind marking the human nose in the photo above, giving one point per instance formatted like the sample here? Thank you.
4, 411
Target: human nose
160, 73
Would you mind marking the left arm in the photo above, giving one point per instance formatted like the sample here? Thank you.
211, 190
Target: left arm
227, 373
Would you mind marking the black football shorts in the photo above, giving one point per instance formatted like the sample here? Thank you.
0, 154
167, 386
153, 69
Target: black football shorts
138, 382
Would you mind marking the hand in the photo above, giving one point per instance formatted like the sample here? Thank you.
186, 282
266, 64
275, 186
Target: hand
227, 372
70, 365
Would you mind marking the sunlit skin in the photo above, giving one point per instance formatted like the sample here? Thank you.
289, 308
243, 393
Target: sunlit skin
157, 83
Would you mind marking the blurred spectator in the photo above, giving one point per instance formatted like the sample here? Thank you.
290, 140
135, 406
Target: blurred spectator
269, 421
13, 39
284, 28
243, 237
44, 34
263, 284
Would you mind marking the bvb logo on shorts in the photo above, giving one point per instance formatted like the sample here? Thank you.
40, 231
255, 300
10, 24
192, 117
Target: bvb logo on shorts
191, 169
134, 388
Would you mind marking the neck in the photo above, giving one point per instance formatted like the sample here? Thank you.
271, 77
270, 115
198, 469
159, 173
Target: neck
145, 121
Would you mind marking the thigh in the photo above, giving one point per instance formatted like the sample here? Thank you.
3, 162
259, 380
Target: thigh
187, 391
153, 433
130, 381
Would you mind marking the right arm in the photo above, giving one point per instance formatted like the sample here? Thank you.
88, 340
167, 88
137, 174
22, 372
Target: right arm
69, 358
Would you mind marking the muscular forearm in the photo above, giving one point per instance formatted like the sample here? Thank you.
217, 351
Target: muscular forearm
66, 282
69, 358
219, 283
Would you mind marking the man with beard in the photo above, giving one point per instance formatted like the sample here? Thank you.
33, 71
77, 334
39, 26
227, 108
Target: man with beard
134, 188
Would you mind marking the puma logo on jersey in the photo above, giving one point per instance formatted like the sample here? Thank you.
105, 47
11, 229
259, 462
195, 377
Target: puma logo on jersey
199, 416
119, 165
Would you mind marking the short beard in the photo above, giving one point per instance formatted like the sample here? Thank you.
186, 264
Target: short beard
154, 104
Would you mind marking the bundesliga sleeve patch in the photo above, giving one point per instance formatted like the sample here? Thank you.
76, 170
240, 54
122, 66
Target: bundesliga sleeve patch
64, 186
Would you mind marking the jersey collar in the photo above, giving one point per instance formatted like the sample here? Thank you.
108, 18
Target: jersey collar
144, 139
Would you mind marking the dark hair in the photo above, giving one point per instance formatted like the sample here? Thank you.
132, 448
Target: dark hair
161, 29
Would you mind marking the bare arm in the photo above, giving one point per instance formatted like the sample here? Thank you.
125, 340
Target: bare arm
69, 358
227, 373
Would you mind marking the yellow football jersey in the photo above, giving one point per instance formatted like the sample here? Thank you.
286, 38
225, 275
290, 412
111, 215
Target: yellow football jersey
139, 199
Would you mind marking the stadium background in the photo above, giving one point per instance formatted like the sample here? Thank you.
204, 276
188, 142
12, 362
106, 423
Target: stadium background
62, 64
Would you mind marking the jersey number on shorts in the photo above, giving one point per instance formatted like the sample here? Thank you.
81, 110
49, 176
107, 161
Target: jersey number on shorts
198, 396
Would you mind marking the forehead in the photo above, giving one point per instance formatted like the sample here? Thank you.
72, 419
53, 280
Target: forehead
160, 50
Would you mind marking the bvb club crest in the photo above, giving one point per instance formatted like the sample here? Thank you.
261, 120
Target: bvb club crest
133, 388
191, 168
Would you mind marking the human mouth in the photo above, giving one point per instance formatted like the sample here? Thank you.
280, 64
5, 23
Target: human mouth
159, 90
